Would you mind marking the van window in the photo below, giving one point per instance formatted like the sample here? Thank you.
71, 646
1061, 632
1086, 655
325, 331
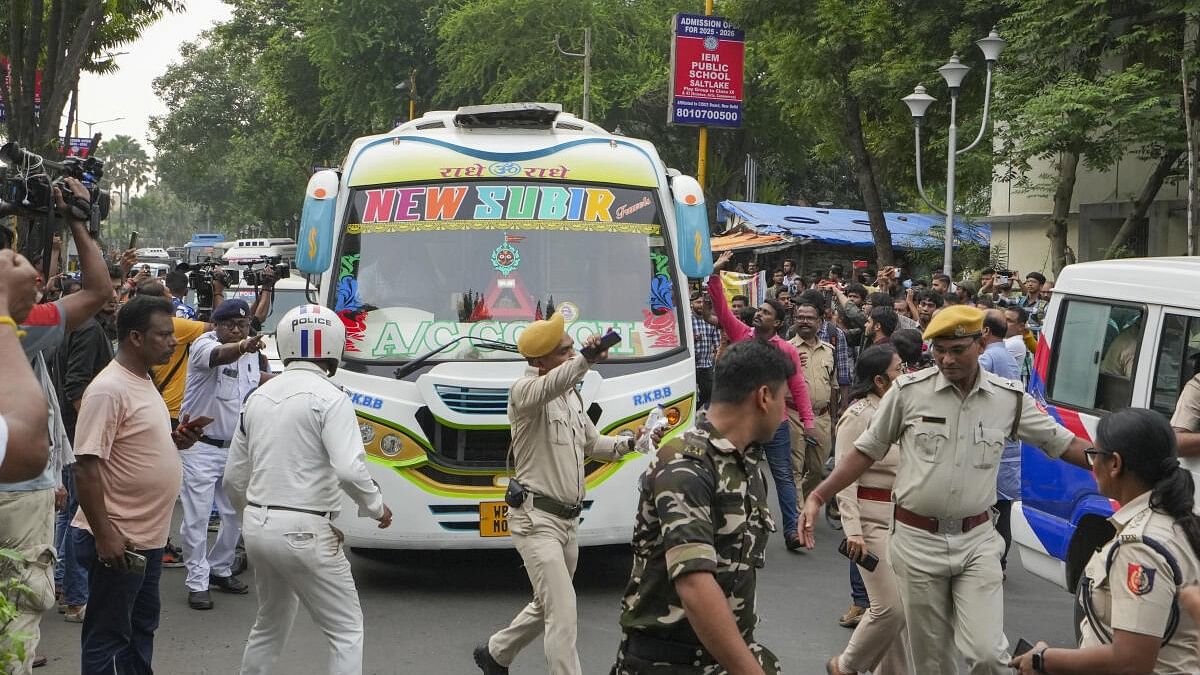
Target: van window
1178, 360
1091, 368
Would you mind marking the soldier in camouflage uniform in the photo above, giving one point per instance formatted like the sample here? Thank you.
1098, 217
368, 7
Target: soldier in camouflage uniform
702, 529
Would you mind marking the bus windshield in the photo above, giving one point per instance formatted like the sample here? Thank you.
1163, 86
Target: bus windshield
420, 266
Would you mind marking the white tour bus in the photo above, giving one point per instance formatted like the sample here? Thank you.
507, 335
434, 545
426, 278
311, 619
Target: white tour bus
438, 242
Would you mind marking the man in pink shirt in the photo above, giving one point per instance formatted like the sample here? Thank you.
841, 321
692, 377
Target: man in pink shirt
768, 320
127, 472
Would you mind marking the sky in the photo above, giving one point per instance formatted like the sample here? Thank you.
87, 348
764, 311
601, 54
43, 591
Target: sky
127, 93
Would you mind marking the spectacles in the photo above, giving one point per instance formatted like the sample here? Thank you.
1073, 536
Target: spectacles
1090, 455
231, 324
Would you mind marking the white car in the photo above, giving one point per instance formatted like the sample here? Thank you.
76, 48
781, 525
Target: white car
153, 253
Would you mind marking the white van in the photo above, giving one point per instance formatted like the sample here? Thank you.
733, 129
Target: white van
255, 249
1118, 333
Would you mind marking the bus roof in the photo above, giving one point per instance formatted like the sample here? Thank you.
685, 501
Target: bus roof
1168, 281
513, 142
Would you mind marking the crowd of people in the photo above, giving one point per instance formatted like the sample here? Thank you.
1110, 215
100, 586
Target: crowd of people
94, 397
897, 409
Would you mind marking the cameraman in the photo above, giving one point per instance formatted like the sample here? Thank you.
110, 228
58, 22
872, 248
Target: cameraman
27, 508
262, 300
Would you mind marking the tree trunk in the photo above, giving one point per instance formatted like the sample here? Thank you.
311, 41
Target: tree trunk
1057, 232
868, 183
1144, 199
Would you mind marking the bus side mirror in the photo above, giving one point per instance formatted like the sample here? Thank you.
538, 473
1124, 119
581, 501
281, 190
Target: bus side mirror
692, 245
314, 248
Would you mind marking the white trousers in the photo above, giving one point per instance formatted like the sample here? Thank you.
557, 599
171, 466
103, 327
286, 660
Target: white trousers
203, 467
298, 558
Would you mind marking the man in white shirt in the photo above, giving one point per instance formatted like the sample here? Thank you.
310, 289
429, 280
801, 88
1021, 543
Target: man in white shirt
223, 368
295, 451
1014, 339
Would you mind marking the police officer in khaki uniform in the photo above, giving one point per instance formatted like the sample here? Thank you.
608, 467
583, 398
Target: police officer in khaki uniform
551, 433
879, 642
1186, 419
808, 457
950, 423
1132, 619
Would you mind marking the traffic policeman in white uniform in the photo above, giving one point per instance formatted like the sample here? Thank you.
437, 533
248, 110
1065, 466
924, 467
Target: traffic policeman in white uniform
223, 368
950, 423
295, 452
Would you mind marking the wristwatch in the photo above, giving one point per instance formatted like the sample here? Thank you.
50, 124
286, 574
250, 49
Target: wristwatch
1039, 660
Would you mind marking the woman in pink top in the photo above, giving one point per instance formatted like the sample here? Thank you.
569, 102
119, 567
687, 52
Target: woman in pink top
768, 320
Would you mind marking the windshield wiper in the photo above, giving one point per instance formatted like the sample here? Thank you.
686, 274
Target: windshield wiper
406, 369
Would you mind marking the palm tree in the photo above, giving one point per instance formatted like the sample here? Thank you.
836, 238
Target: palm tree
126, 164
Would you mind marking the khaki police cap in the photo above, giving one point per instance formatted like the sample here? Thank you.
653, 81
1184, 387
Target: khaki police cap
956, 321
541, 337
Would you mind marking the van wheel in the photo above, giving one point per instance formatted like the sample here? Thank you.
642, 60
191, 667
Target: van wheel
1079, 615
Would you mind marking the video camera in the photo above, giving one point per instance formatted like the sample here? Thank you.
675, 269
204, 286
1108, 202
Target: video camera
200, 279
252, 275
26, 186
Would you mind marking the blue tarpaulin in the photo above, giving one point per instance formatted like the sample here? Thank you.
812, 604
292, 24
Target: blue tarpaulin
845, 227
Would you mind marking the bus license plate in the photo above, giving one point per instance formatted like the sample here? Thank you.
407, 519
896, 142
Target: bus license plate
493, 519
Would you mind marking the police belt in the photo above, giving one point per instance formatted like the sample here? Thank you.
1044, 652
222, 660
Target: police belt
556, 508
943, 526
657, 650
311, 512
215, 442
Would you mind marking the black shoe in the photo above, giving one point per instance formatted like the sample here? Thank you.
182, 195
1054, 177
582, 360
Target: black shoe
240, 562
199, 600
483, 659
229, 584
793, 543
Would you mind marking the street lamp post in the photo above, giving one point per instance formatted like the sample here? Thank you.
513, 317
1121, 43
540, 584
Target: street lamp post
918, 102
96, 124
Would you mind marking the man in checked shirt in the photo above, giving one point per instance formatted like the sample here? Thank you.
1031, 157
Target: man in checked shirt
707, 332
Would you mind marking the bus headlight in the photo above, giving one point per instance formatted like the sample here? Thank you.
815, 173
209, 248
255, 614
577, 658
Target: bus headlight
391, 445
674, 415
367, 431
677, 412
386, 441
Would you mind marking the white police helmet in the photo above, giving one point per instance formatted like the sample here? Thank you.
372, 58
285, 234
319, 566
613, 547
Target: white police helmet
311, 333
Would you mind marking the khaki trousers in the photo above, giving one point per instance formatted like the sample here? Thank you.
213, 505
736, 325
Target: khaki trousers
879, 643
952, 589
27, 521
550, 549
808, 461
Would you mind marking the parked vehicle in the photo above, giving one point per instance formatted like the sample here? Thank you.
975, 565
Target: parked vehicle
1118, 333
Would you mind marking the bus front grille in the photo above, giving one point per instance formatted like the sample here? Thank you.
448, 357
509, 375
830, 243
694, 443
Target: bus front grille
473, 400
465, 448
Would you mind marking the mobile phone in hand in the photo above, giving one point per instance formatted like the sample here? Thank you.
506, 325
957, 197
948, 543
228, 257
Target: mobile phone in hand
133, 237
869, 561
135, 563
198, 423
1023, 646
610, 339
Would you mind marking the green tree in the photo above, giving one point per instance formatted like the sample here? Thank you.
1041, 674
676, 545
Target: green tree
1089, 81
126, 164
836, 69
51, 42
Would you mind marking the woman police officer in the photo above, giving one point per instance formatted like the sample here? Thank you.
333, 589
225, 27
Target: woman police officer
878, 643
1129, 591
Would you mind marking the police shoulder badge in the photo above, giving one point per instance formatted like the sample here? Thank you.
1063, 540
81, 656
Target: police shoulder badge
1140, 578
